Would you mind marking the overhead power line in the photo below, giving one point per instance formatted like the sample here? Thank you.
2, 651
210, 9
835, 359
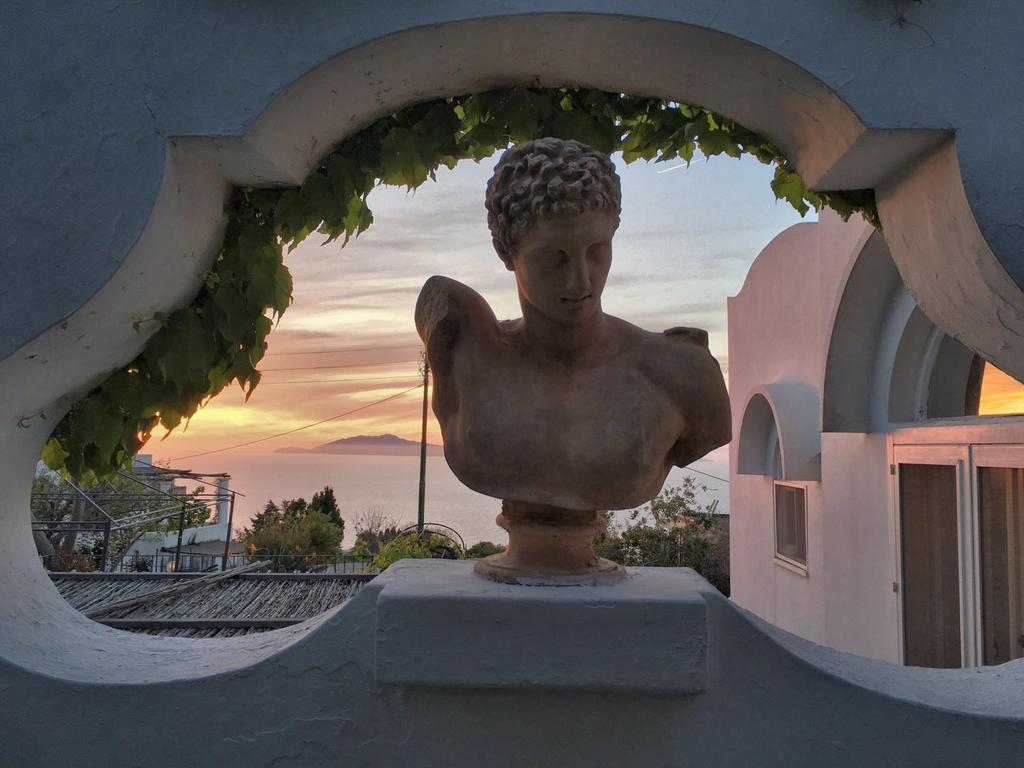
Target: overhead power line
349, 365
299, 429
340, 350
343, 381
706, 474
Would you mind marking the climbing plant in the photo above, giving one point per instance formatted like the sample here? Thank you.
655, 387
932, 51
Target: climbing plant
220, 337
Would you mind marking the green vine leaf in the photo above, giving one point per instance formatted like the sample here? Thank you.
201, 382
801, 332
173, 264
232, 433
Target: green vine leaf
402, 162
53, 454
787, 185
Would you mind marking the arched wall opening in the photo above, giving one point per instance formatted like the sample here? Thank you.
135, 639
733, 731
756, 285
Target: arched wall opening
887, 362
824, 138
872, 302
931, 375
760, 452
779, 435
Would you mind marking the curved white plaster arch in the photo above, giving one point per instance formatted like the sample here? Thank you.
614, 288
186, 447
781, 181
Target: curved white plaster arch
887, 384
786, 412
828, 143
962, 288
860, 318
886, 361
929, 373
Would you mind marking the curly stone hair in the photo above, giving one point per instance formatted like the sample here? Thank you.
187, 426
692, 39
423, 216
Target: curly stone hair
546, 177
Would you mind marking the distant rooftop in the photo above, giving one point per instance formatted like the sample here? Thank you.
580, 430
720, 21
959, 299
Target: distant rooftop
241, 605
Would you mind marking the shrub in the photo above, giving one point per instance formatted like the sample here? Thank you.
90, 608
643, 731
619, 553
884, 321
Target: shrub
484, 549
674, 530
374, 530
294, 537
417, 545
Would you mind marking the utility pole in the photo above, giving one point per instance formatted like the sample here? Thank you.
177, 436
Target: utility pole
227, 536
106, 544
181, 531
425, 366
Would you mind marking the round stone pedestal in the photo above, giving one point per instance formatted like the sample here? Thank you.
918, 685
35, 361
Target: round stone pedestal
549, 546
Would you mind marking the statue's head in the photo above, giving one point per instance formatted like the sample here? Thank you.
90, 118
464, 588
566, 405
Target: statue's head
552, 207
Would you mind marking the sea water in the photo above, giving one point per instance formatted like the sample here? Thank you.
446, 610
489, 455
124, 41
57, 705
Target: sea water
391, 484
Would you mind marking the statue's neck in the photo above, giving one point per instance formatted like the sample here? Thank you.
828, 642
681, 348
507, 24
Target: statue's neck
563, 340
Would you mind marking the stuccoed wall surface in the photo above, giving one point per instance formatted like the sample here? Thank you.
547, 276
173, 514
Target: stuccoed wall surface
783, 330
771, 700
124, 127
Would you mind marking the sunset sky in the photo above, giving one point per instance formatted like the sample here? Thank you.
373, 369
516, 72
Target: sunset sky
687, 238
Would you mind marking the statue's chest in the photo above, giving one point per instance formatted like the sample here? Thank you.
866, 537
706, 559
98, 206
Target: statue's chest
600, 422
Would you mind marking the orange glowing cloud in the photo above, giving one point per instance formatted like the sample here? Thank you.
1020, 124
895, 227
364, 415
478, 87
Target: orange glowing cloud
1001, 394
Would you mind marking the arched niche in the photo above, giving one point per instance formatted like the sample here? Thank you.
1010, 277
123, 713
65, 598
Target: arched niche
758, 439
779, 434
887, 362
931, 374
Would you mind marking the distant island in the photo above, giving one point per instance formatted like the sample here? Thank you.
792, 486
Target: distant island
370, 445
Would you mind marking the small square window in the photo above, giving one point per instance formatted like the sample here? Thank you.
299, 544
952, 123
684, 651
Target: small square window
791, 524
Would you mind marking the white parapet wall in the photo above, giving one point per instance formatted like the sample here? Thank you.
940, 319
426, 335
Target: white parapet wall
431, 666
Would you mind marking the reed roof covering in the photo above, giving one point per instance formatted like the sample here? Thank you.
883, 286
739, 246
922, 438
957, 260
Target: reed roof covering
249, 602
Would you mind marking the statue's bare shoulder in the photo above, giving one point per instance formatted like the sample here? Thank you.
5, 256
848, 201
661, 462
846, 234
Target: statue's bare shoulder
448, 315
445, 309
679, 362
696, 336
684, 354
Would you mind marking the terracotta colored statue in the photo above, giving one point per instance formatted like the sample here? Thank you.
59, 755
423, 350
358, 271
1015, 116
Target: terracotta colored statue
566, 411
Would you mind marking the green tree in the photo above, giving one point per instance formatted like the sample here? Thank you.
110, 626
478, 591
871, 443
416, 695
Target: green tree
325, 503
269, 515
675, 530
297, 535
294, 509
309, 543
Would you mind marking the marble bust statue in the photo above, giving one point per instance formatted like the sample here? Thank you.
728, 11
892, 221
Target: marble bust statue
565, 411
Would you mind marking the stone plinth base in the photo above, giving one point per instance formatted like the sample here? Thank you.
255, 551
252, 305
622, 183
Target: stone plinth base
439, 624
549, 546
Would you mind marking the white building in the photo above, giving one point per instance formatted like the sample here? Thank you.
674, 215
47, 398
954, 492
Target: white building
873, 509
201, 545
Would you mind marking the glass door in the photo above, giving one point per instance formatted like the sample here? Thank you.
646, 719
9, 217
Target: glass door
931, 554
1000, 501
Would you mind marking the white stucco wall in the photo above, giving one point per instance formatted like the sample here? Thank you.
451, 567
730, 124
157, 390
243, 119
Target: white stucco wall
776, 333
822, 307
751, 544
780, 327
860, 609
126, 124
